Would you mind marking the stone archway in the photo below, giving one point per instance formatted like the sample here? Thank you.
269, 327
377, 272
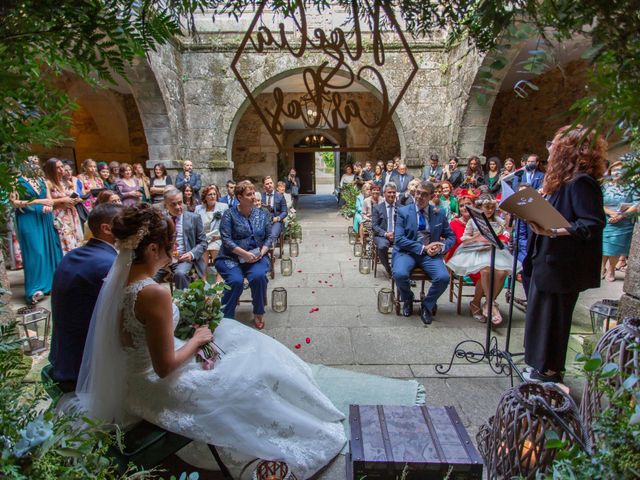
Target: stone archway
248, 137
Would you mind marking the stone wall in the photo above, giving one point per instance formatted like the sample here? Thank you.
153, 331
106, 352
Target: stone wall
519, 125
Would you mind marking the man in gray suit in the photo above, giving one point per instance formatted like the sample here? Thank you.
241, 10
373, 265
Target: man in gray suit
190, 242
432, 172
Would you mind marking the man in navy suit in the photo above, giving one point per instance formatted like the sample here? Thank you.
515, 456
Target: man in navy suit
76, 285
531, 174
276, 204
422, 236
382, 224
230, 198
401, 178
189, 177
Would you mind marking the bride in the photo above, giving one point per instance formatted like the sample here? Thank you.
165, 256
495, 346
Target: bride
259, 399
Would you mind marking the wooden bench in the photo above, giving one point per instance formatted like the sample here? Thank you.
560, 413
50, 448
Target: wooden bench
143, 444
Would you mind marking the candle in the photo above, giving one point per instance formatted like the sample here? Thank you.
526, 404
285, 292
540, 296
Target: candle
528, 456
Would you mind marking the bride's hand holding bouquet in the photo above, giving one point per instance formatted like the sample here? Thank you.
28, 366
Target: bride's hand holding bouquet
200, 306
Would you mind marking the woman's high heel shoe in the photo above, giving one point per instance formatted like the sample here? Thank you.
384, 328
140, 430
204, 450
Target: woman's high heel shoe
476, 312
259, 324
496, 316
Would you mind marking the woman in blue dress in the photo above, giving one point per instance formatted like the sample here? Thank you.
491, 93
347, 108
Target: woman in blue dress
246, 238
38, 238
621, 207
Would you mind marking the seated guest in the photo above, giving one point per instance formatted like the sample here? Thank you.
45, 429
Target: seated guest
246, 233
474, 176
362, 196
281, 187
190, 201
190, 243
210, 212
383, 223
105, 196
76, 285
448, 201
474, 256
422, 237
401, 178
367, 209
407, 198
276, 203
230, 197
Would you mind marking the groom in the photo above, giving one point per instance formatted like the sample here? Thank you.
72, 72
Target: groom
76, 285
422, 235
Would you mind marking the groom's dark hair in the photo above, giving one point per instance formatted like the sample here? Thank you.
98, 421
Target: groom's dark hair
101, 214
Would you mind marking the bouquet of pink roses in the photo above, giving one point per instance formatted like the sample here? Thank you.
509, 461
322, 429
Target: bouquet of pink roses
200, 304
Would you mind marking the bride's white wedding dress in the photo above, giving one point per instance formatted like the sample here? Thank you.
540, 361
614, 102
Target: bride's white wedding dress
259, 399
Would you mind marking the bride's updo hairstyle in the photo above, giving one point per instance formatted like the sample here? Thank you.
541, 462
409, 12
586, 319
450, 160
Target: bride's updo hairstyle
140, 225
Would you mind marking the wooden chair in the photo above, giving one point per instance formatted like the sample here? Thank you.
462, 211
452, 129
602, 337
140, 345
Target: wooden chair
280, 244
143, 444
456, 285
375, 260
417, 275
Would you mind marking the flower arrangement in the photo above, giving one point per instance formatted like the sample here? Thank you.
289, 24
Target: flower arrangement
200, 304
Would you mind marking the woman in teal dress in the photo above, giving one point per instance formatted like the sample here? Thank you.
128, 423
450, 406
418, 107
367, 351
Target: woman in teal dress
39, 241
621, 207
357, 218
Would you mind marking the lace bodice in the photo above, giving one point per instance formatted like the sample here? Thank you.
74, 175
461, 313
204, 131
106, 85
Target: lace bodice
138, 351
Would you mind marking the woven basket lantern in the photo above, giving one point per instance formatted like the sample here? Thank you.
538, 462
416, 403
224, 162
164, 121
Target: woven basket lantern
614, 347
271, 470
513, 442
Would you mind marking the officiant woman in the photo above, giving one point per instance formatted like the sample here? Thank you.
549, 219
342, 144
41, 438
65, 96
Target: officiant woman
564, 261
246, 239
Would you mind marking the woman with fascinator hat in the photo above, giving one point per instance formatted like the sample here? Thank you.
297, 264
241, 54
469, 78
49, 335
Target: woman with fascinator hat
259, 399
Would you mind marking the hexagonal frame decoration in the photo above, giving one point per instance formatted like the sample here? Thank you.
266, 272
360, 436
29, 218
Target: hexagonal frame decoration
321, 92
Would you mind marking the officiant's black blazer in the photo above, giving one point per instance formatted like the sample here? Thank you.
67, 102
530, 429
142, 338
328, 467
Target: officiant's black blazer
570, 263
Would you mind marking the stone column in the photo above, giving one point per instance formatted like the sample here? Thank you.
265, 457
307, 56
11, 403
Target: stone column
630, 301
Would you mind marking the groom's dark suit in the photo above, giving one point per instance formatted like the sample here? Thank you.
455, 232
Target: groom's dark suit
76, 285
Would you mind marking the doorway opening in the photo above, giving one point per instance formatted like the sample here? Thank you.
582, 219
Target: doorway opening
315, 165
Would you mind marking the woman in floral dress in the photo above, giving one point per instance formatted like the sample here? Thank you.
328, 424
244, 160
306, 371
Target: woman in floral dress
65, 216
90, 181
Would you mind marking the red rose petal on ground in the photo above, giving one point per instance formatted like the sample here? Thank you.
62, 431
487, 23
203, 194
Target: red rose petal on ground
308, 340
326, 281
299, 271
297, 345
314, 309
313, 291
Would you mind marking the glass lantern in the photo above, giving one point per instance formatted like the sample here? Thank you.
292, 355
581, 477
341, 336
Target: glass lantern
357, 249
279, 299
352, 236
293, 248
286, 266
298, 236
364, 265
385, 300
603, 315
36, 323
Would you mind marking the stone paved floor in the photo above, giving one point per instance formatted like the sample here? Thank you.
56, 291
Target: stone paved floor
348, 332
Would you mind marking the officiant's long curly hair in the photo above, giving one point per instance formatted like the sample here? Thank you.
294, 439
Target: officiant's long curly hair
574, 151
147, 222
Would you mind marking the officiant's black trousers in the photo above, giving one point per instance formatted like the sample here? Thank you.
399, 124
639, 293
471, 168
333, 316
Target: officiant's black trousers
547, 327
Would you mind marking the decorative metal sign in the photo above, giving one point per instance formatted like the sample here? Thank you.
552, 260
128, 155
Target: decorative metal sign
323, 104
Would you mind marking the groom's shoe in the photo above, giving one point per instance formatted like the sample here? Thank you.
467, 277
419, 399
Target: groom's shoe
425, 316
407, 307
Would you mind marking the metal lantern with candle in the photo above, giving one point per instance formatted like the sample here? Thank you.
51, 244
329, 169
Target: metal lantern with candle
273, 470
286, 266
617, 346
364, 265
385, 300
513, 442
602, 313
357, 249
35, 321
352, 236
293, 248
279, 299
